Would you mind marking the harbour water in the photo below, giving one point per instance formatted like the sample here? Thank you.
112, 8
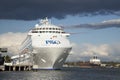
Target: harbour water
64, 74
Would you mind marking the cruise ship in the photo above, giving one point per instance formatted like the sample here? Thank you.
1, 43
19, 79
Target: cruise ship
95, 61
46, 45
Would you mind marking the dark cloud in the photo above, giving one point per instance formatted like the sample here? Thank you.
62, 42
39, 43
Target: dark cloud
34, 9
100, 25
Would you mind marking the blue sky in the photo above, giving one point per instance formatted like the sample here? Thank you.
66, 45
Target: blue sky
107, 35
95, 22
95, 38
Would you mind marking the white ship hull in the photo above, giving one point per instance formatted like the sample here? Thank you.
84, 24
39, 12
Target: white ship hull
46, 45
50, 58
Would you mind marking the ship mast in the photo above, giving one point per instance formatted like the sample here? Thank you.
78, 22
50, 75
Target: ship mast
44, 21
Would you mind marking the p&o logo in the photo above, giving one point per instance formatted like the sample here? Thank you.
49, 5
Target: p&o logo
52, 42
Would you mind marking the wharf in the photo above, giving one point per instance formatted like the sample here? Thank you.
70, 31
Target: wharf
16, 67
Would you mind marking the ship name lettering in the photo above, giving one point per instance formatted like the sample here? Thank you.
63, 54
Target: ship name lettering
52, 42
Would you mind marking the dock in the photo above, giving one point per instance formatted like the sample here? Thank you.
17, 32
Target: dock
15, 67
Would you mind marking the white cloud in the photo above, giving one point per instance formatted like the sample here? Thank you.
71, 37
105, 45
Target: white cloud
112, 21
109, 52
12, 41
101, 25
104, 51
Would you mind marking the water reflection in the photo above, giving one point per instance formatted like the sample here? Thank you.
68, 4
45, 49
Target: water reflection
64, 74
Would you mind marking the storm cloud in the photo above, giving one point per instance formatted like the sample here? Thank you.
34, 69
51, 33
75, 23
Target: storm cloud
35, 9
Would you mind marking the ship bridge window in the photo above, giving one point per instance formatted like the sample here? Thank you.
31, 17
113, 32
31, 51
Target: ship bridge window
53, 31
53, 28
50, 28
46, 28
58, 28
63, 32
34, 31
57, 32
50, 31
47, 32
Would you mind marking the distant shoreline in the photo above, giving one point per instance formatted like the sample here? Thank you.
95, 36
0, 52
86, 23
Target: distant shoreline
87, 64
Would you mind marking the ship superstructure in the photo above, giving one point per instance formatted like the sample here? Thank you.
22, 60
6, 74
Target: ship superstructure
46, 45
95, 61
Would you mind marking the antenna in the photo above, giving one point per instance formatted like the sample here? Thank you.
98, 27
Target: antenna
44, 21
